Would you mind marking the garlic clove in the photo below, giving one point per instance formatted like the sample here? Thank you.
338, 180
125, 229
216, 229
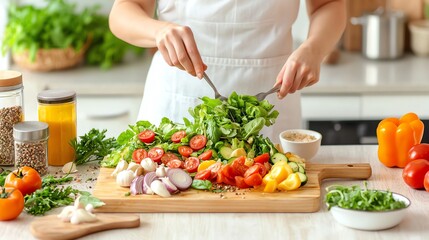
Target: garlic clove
122, 165
139, 171
69, 167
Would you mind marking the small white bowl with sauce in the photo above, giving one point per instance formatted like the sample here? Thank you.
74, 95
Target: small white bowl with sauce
302, 142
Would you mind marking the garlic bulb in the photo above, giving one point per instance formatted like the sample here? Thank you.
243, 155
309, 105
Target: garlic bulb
133, 166
161, 171
125, 178
77, 213
149, 165
69, 167
122, 165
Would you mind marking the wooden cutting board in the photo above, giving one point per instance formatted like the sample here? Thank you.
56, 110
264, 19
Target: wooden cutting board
304, 199
50, 227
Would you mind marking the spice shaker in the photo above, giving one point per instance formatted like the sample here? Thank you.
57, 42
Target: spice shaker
31, 145
58, 109
11, 112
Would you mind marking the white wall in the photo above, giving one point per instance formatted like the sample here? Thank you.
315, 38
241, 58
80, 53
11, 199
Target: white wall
300, 27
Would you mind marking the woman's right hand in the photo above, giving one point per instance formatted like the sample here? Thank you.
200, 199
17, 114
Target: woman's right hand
178, 47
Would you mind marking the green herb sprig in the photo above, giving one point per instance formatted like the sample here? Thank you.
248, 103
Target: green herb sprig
354, 197
44, 199
92, 146
3, 175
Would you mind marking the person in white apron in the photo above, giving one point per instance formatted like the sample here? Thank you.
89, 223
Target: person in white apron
243, 45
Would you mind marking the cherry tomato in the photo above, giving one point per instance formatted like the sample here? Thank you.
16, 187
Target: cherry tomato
262, 170
253, 180
414, 173
419, 151
191, 164
175, 163
147, 136
139, 155
215, 169
167, 157
228, 171
185, 151
155, 154
25, 179
252, 170
11, 203
238, 166
426, 184
262, 158
207, 155
177, 136
239, 181
198, 142
203, 175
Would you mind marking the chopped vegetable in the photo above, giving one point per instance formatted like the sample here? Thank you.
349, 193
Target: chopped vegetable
354, 197
179, 178
92, 146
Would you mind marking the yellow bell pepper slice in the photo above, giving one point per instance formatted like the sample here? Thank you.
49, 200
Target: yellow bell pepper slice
267, 178
271, 186
292, 182
205, 164
278, 173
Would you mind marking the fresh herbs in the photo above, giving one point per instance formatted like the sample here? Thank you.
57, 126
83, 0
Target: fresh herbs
53, 181
92, 146
202, 184
354, 197
3, 175
46, 198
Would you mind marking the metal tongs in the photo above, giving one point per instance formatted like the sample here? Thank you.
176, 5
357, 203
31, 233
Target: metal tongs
261, 96
217, 94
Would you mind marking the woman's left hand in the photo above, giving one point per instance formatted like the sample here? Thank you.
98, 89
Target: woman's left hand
301, 70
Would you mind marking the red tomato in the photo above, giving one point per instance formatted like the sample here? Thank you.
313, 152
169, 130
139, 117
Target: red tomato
253, 180
262, 169
175, 163
147, 136
11, 203
207, 155
262, 158
203, 175
25, 179
238, 166
139, 155
155, 154
228, 172
419, 151
185, 151
239, 181
191, 164
426, 184
167, 157
252, 170
198, 142
177, 136
414, 173
215, 168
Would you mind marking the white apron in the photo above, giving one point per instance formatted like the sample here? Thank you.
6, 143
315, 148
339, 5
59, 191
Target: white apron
244, 43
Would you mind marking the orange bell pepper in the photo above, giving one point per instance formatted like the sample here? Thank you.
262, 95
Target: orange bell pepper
396, 137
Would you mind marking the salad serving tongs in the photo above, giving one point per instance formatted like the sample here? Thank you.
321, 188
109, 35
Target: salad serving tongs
217, 94
261, 96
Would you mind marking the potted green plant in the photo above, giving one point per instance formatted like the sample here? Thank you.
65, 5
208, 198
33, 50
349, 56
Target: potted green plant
57, 36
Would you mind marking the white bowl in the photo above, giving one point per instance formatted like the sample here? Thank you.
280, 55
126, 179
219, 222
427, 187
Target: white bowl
306, 148
371, 220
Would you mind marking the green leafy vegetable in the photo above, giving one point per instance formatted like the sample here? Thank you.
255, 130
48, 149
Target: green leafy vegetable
201, 184
53, 181
354, 197
92, 146
3, 175
86, 198
44, 199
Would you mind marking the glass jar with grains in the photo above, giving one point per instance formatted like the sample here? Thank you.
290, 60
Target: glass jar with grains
31, 145
11, 112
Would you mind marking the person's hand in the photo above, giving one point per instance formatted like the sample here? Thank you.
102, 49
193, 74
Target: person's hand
301, 70
177, 45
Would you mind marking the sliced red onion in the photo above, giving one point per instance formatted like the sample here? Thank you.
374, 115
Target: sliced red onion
179, 178
148, 179
160, 189
137, 185
169, 185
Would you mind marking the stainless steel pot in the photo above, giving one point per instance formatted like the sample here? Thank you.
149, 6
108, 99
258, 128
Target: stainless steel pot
382, 34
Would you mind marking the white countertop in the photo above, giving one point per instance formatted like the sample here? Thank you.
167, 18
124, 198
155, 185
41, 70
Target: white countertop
318, 225
354, 74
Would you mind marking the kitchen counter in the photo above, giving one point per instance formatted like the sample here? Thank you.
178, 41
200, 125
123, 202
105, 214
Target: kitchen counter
318, 225
354, 74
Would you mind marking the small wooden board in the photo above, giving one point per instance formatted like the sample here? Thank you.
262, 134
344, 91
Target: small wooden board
51, 227
304, 199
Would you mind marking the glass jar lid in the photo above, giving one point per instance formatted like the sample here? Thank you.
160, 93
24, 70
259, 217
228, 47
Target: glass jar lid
30, 131
10, 80
56, 96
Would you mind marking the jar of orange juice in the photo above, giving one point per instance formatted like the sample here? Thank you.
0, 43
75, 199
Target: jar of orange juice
58, 109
